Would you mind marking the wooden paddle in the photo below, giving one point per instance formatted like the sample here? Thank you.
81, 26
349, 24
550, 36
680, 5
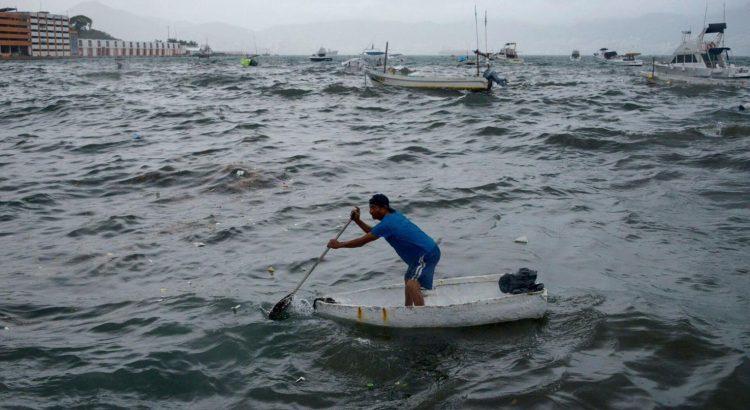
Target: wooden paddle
277, 313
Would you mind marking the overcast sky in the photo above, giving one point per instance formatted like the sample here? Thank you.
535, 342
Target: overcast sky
261, 14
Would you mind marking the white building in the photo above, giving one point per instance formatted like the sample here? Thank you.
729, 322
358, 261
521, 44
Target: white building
50, 35
119, 48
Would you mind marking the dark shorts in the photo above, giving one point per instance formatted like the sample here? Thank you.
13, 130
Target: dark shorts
424, 269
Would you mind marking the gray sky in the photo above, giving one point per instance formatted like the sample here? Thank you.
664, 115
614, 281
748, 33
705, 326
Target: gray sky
261, 14
412, 26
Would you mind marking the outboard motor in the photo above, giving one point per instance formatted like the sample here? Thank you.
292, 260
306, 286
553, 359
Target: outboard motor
493, 77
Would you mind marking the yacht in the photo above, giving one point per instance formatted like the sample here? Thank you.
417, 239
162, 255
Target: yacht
705, 57
324, 55
508, 54
605, 54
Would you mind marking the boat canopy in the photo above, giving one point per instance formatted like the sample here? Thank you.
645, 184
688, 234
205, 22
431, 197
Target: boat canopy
716, 28
718, 50
610, 54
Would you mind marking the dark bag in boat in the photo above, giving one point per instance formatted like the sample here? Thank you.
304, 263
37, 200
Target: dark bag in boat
523, 281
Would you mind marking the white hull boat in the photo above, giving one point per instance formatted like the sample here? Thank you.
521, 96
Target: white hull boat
628, 59
323, 55
453, 302
430, 83
704, 60
508, 55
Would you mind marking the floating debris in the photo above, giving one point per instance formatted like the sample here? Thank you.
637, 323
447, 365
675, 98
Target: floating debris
235, 308
521, 239
301, 379
163, 290
370, 386
240, 172
742, 107
271, 270
199, 244
136, 136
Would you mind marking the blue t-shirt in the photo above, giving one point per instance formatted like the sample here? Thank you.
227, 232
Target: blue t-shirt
406, 238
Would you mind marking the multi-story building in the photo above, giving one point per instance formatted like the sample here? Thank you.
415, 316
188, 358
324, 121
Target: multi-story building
15, 34
50, 34
41, 34
119, 48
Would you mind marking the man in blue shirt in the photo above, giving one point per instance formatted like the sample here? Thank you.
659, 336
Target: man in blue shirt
417, 249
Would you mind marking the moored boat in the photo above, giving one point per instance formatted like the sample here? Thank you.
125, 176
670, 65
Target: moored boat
508, 55
705, 59
323, 55
605, 54
453, 302
468, 83
628, 59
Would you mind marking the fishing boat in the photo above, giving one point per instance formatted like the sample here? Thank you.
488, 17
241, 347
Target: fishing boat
204, 52
468, 83
324, 55
249, 60
604, 54
628, 59
575, 55
508, 55
705, 58
453, 302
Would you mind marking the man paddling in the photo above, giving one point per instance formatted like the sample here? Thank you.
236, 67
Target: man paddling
417, 249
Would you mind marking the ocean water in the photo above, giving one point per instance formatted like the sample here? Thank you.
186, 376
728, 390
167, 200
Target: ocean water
139, 206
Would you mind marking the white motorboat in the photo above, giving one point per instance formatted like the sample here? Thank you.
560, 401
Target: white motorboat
469, 83
705, 58
605, 54
324, 55
508, 55
575, 55
375, 57
628, 59
453, 302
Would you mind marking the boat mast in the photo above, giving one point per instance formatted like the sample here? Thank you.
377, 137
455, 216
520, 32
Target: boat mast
476, 28
486, 47
385, 59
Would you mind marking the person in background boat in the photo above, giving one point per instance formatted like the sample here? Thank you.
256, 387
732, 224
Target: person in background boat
415, 247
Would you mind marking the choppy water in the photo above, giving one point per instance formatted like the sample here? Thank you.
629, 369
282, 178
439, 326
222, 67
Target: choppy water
635, 200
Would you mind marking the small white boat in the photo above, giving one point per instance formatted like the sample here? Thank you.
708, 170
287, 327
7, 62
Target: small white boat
628, 59
453, 302
469, 83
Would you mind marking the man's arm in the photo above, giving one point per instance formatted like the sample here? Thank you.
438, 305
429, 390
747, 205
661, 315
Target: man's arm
354, 243
355, 217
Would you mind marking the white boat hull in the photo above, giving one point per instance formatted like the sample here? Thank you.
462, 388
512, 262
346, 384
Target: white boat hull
441, 83
454, 302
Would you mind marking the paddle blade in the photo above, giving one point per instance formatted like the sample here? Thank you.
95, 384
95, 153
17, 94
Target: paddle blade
277, 313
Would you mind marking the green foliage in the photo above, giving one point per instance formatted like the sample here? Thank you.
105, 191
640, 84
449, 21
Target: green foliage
81, 23
95, 34
186, 43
